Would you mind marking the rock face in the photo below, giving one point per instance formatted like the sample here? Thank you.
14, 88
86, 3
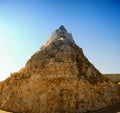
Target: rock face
58, 79
61, 57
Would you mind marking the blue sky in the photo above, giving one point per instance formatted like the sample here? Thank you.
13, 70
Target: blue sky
25, 26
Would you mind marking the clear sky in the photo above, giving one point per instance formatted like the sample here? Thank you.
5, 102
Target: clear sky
25, 26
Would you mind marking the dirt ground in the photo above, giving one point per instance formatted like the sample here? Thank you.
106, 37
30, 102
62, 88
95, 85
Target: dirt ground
115, 109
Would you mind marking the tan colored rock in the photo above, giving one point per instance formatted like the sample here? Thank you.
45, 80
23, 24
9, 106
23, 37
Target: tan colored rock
58, 79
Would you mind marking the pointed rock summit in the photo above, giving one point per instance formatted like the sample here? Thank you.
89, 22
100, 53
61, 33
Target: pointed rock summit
58, 79
60, 34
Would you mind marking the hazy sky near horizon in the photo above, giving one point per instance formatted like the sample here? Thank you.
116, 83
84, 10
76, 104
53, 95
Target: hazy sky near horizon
25, 26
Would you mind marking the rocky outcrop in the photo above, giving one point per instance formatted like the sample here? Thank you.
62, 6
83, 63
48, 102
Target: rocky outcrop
113, 77
58, 79
61, 57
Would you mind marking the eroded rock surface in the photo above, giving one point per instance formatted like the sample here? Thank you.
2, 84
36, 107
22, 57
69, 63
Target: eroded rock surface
58, 79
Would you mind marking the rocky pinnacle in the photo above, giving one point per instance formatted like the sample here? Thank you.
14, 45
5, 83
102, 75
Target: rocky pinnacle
58, 78
60, 34
60, 56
